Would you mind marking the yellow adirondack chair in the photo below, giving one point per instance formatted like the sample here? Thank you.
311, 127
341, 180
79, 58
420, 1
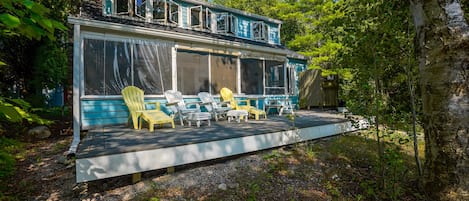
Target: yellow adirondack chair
133, 98
227, 95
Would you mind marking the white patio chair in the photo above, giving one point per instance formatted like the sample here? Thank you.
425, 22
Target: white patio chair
215, 108
177, 105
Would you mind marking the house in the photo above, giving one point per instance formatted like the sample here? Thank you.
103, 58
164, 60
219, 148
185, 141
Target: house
190, 46
186, 45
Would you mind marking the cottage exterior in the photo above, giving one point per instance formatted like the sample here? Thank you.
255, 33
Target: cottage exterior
186, 45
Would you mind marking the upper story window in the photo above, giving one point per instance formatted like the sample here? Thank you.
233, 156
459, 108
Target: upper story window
140, 8
134, 8
200, 18
226, 23
161, 11
260, 31
165, 11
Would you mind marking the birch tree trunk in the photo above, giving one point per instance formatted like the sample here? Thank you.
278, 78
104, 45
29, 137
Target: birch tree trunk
442, 43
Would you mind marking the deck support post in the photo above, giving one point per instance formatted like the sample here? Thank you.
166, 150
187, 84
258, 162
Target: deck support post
170, 170
136, 177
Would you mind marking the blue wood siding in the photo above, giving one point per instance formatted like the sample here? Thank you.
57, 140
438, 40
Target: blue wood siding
102, 112
274, 34
244, 27
184, 8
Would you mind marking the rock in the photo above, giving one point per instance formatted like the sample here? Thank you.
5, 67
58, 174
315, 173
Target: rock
63, 160
233, 185
222, 186
40, 132
335, 177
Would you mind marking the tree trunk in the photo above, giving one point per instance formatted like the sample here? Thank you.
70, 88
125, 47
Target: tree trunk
442, 43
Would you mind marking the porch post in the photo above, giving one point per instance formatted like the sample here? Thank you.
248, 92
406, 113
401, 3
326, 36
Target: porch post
238, 77
76, 89
174, 68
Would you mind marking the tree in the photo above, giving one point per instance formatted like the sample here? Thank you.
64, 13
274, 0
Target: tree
442, 40
22, 19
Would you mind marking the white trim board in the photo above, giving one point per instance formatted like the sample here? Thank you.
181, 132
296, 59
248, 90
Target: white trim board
101, 167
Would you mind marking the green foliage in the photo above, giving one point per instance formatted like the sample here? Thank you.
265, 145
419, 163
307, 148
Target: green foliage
50, 66
23, 23
27, 18
18, 110
8, 147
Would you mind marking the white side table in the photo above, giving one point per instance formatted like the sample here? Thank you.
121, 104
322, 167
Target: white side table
237, 115
198, 117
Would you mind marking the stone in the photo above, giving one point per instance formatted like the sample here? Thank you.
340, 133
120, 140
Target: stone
222, 186
40, 132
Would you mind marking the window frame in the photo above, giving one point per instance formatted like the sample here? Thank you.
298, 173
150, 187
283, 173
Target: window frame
263, 31
115, 6
275, 84
200, 21
144, 5
208, 19
204, 18
165, 12
230, 26
172, 13
171, 9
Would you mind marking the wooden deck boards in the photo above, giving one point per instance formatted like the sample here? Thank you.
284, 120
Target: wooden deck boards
113, 151
121, 139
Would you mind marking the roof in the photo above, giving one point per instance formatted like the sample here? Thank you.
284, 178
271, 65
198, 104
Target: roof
92, 10
232, 10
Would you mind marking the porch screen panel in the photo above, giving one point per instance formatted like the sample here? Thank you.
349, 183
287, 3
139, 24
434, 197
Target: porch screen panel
223, 72
117, 68
152, 67
93, 57
251, 76
192, 72
274, 77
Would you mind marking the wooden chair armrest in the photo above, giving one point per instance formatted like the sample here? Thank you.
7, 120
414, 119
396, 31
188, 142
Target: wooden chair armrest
194, 103
206, 103
157, 105
172, 103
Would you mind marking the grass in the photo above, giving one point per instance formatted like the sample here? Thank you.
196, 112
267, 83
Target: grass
339, 168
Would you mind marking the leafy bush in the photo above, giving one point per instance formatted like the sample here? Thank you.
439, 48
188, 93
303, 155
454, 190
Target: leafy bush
7, 159
16, 115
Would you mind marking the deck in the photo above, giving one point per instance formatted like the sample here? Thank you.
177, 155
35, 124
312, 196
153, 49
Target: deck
114, 151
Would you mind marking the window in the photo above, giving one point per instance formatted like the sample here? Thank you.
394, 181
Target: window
173, 12
252, 76
133, 8
200, 18
260, 31
274, 77
140, 8
192, 72
111, 65
165, 11
161, 11
291, 80
224, 70
226, 23
122, 7
260, 77
93, 59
